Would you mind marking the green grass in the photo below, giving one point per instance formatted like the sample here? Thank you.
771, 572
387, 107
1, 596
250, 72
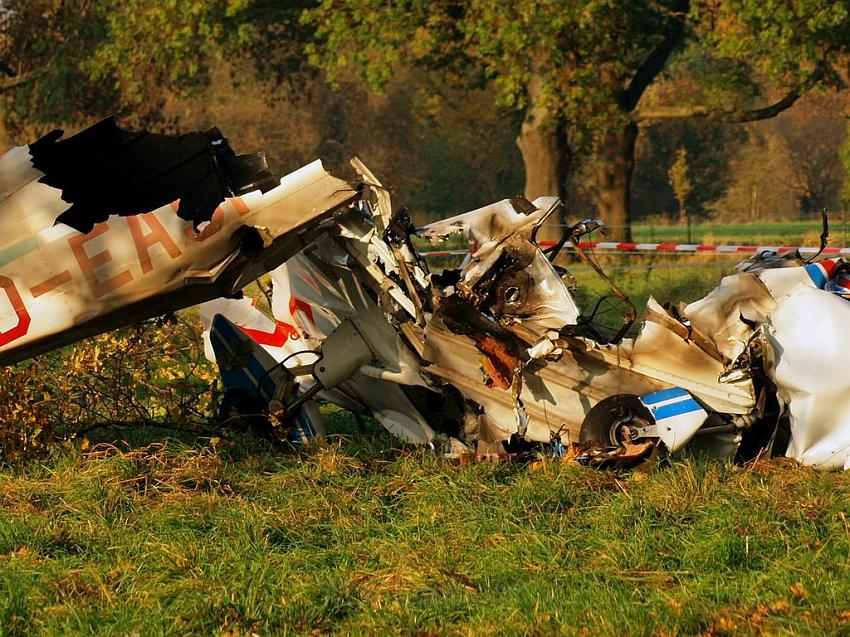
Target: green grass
753, 233
357, 537
673, 279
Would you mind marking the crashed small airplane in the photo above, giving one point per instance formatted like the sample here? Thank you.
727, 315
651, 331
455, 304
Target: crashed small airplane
491, 359
494, 359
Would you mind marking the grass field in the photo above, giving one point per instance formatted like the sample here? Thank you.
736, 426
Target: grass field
756, 233
358, 537
776, 233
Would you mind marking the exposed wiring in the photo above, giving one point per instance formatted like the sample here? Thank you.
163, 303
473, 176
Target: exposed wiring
280, 364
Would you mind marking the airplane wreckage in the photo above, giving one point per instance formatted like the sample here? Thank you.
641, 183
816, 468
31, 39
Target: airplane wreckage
491, 359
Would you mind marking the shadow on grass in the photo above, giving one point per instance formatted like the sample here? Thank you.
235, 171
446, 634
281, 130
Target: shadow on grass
356, 436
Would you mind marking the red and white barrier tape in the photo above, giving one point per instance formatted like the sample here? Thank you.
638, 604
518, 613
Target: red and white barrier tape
692, 248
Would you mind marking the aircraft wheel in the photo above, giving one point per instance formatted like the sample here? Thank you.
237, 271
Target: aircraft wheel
608, 422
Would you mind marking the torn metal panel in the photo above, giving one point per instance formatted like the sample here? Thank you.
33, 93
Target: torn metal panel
313, 294
556, 395
508, 277
490, 225
729, 313
807, 332
501, 341
719, 314
497, 331
659, 353
382, 210
60, 285
105, 170
256, 383
320, 295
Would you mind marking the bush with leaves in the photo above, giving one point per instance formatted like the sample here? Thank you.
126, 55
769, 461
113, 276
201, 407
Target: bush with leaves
152, 373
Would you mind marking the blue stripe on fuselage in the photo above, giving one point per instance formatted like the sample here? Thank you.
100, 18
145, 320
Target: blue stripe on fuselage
676, 409
664, 394
816, 275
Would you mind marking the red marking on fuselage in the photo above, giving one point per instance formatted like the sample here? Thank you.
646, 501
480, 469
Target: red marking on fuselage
50, 284
239, 206
282, 333
23, 325
144, 241
297, 304
828, 266
88, 263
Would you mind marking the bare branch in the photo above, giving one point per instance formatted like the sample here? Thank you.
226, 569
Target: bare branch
717, 115
9, 83
657, 59
765, 112
729, 116
668, 112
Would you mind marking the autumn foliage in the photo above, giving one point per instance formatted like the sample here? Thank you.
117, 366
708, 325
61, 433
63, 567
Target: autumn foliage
153, 373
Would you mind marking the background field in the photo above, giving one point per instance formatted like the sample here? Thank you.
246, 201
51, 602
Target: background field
793, 233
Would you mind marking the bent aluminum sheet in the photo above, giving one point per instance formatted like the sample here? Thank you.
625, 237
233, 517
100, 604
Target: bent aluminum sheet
808, 332
556, 395
494, 229
59, 285
311, 296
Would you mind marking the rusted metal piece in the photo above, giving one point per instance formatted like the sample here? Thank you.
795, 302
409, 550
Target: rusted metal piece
499, 364
624, 457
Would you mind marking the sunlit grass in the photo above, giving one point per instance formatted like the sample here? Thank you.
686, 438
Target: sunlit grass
365, 538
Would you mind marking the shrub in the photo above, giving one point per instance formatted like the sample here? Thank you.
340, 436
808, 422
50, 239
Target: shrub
152, 373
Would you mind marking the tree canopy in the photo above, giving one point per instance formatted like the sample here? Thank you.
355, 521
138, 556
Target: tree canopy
584, 74
584, 69
596, 58
93, 57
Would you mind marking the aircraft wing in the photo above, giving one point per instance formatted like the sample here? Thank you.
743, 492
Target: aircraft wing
162, 223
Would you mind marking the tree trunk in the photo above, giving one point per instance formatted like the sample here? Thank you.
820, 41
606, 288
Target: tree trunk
615, 163
546, 157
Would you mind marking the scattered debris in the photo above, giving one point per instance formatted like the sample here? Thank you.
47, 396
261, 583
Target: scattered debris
505, 365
